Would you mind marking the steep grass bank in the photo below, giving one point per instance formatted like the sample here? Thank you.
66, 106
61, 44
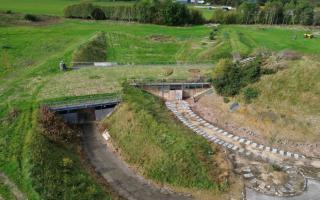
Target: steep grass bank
93, 50
20, 86
161, 148
55, 167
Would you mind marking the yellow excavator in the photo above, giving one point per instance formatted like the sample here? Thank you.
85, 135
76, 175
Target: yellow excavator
308, 35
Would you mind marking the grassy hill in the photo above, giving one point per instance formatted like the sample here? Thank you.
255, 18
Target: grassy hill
293, 94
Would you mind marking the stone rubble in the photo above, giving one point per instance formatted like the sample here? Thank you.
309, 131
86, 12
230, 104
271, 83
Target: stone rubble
246, 148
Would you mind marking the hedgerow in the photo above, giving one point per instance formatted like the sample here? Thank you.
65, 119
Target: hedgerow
155, 12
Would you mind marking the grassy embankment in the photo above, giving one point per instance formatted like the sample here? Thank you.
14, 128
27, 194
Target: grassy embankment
21, 144
162, 149
288, 105
29, 64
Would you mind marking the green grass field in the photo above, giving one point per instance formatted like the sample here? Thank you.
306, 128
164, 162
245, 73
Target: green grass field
47, 7
29, 57
244, 39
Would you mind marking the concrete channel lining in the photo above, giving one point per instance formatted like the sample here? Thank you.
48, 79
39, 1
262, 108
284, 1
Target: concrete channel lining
176, 106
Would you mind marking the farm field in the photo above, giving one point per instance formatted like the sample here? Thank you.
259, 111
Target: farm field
29, 74
47, 7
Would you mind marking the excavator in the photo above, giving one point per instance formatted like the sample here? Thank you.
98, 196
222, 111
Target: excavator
308, 35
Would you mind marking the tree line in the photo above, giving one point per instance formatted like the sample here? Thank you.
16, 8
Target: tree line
143, 11
289, 12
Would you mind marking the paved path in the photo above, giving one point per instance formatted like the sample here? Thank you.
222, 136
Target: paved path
117, 173
13, 188
312, 193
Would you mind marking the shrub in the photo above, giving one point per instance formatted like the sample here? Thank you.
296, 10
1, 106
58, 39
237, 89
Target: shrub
125, 13
226, 100
196, 17
31, 18
228, 77
98, 14
176, 14
54, 127
250, 72
67, 163
9, 12
212, 35
94, 50
82, 10
13, 114
250, 93
268, 71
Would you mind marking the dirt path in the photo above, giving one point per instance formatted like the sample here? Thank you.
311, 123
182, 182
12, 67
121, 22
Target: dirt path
117, 173
13, 188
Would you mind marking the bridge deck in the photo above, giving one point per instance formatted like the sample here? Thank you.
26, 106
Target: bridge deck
169, 84
77, 106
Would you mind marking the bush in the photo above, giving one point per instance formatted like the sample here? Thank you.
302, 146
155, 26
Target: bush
250, 72
176, 14
94, 50
9, 12
250, 93
54, 127
82, 10
31, 18
196, 17
226, 100
228, 77
268, 71
98, 14
125, 13
212, 35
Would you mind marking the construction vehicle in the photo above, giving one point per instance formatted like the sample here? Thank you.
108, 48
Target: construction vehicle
308, 35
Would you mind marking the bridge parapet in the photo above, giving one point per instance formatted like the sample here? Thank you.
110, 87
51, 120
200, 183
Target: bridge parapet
88, 101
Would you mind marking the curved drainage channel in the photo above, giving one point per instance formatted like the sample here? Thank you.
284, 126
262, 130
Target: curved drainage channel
296, 186
117, 173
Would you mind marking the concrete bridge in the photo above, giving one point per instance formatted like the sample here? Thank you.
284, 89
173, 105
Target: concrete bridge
82, 112
174, 90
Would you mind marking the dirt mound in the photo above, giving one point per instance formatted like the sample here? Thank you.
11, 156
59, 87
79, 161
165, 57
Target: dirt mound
161, 38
